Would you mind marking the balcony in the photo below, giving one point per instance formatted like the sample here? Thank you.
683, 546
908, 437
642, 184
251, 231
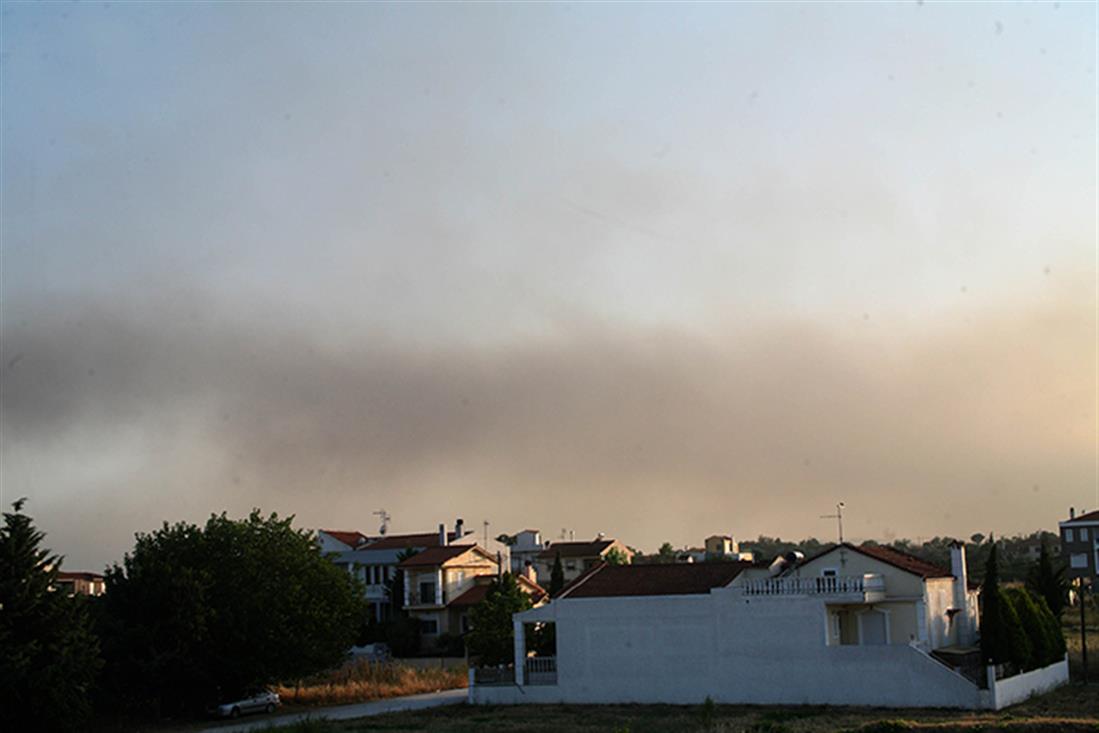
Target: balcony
540, 671
868, 588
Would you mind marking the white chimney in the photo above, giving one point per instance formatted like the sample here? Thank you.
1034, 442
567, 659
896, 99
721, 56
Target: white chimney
963, 619
1072, 512
442, 535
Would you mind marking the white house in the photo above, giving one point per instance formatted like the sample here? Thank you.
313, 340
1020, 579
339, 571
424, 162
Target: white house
851, 626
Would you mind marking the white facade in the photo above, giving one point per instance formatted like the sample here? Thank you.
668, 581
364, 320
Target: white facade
845, 630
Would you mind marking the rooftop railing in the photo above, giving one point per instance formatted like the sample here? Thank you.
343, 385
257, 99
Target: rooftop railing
824, 585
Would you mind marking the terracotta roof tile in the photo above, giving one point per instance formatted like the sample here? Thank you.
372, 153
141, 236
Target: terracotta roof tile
575, 549
653, 580
351, 539
406, 541
903, 560
1089, 517
439, 555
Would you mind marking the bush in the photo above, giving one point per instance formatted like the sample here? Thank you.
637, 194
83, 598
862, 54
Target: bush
450, 645
199, 613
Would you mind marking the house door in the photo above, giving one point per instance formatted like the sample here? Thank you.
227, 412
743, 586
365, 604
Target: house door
872, 628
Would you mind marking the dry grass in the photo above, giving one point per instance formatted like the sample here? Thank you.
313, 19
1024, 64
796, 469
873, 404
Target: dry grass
363, 681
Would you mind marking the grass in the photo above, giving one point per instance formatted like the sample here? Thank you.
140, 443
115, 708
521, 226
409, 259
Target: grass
363, 681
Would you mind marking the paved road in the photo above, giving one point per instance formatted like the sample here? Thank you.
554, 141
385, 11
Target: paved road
349, 712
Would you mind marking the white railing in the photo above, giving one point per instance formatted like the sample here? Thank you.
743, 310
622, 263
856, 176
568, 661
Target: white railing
824, 585
541, 671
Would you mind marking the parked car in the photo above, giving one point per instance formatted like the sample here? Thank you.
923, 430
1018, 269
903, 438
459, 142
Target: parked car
263, 701
377, 652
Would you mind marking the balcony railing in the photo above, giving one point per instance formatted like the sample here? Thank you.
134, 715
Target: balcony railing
870, 583
540, 671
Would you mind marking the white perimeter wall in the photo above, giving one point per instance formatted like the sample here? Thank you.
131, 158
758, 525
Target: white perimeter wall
732, 649
1023, 686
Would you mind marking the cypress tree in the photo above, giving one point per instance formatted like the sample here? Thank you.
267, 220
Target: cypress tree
1048, 583
49, 656
557, 577
994, 634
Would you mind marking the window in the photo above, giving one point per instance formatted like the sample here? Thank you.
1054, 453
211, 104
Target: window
427, 592
570, 565
429, 625
1079, 560
1083, 534
1068, 535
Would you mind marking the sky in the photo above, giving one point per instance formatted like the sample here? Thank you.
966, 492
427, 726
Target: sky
655, 270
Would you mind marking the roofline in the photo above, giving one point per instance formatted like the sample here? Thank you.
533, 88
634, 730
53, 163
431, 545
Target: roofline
1078, 522
580, 580
849, 546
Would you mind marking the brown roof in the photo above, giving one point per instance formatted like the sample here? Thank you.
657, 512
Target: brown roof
898, 559
575, 549
1089, 517
406, 541
351, 539
78, 575
653, 580
477, 593
439, 555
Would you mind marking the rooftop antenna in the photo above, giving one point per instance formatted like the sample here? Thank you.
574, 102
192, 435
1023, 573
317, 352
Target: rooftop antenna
838, 516
486, 533
385, 521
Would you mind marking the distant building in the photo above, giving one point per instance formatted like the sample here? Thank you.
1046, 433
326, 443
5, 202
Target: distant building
82, 584
577, 557
524, 549
1080, 544
724, 547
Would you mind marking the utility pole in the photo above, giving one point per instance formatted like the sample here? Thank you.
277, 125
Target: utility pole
838, 516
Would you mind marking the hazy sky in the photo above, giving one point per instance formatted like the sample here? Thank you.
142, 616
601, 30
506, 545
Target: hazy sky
655, 270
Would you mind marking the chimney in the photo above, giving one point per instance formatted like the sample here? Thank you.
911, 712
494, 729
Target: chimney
459, 525
963, 618
442, 535
529, 572
1072, 512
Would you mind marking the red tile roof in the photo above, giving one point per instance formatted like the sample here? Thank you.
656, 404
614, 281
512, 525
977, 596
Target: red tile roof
78, 575
351, 539
477, 593
653, 580
439, 555
406, 541
1089, 517
902, 560
575, 549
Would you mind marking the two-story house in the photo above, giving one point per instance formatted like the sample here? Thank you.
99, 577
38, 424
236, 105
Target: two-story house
442, 584
374, 559
81, 583
523, 549
578, 557
1080, 544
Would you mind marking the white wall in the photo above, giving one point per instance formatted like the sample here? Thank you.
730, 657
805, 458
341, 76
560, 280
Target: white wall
1015, 689
731, 648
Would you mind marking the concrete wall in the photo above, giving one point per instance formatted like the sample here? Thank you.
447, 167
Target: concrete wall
731, 648
1016, 689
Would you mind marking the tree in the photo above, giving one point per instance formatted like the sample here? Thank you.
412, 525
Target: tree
401, 631
616, 557
1048, 583
197, 613
994, 642
557, 577
492, 636
49, 657
666, 554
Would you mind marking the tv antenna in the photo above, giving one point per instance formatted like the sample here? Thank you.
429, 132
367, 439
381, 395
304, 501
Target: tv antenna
385, 521
838, 516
